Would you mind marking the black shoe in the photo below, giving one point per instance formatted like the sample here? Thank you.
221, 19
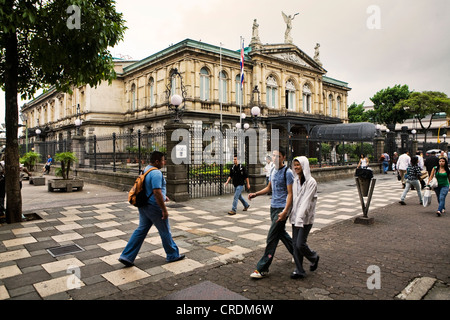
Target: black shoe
126, 263
314, 266
402, 203
246, 208
181, 257
295, 275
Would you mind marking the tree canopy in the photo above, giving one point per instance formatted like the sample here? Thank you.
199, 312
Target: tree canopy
61, 43
385, 100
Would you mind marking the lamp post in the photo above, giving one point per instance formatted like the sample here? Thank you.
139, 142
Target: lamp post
444, 136
78, 121
176, 100
24, 118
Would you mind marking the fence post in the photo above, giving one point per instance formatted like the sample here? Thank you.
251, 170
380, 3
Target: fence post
177, 174
139, 149
95, 152
79, 149
114, 151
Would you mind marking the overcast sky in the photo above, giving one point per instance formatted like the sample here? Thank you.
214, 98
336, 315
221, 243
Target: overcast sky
371, 44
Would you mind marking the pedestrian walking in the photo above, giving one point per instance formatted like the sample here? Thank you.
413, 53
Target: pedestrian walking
412, 177
394, 162
402, 164
268, 168
386, 160
363, 162
48, 164
153, 213
442, 174
280, 183
239, 176
430, 162
304, 192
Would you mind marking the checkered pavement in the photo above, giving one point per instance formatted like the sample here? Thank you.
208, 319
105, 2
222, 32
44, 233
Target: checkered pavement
201, 228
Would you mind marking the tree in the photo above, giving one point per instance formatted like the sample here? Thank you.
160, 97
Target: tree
423, 104
385, 100
61, 43
356, 113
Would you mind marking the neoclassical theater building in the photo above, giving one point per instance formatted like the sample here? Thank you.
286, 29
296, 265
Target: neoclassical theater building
290, 87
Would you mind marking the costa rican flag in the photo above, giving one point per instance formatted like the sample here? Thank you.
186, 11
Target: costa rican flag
242, 64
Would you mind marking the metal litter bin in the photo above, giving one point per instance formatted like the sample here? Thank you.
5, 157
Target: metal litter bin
364, 176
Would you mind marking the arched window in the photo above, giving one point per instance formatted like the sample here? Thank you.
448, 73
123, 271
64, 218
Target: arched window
271, 92
290, 95
204, 84
330, 105
306, 99
133, 97
151, 84
239, 93
223, 87
338, 107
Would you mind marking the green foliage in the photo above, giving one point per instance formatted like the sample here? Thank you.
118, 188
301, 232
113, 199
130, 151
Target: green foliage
384, 101
313, 160
51, 53
66, 159
356, 113
29, 159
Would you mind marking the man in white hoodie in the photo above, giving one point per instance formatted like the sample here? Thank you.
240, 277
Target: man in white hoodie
304, 190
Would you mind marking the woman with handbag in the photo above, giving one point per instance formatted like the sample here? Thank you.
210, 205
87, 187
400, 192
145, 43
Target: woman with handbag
442, 174
412, 176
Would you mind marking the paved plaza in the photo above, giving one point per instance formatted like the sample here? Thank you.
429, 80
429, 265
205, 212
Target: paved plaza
219, 248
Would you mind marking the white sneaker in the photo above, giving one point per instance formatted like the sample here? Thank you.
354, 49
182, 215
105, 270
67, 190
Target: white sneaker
258, 275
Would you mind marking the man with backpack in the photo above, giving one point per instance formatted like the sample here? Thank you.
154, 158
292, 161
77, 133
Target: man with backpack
280, 183
152, 212
240, 177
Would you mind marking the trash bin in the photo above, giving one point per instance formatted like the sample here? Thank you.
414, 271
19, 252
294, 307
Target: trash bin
364, 177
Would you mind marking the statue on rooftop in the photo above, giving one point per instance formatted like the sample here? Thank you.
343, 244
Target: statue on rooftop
288, 20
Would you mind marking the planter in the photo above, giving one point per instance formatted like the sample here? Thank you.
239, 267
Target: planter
65, 184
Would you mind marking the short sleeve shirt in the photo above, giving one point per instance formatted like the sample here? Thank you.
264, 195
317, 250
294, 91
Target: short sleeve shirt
279, 186
154, 180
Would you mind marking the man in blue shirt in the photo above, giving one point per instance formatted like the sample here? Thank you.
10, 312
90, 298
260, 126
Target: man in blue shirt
154, 213
280, 183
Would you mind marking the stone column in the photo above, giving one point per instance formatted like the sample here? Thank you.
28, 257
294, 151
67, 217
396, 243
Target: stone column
256, 176
177, 174
78, 148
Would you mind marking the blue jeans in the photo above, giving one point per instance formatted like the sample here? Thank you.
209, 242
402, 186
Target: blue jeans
276, 233
238, 196
415, 184
385, 166
301, 248
441, 194
150, 215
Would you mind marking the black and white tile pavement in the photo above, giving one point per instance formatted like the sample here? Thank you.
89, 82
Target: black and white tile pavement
201, 228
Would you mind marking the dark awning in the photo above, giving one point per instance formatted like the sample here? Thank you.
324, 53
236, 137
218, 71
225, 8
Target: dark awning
360, 131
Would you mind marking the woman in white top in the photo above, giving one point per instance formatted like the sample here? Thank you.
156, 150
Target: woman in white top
304, 191
363, 162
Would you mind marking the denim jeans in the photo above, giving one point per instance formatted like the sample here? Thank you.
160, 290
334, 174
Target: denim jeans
301, 249
276, 233
385, 166
415, 184
148, 216
441, 194
238, 196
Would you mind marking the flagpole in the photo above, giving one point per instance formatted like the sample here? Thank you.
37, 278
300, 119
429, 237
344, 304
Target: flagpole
220, 85
242, 95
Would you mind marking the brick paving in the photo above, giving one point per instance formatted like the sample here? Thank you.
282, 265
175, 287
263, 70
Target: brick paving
405, 242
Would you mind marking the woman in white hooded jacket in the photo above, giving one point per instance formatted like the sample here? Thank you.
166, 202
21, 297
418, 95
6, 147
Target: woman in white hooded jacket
304, 191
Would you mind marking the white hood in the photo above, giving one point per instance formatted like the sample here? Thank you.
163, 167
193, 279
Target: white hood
304, 196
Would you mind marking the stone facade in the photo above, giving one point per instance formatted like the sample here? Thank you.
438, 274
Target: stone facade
289, 84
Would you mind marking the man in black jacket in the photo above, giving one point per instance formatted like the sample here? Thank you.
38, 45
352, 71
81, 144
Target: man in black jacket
240, 176
431, 162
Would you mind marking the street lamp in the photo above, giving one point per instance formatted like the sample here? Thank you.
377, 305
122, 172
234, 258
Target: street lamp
176, 100
444, 136
256, 111
24, 118
78, 121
